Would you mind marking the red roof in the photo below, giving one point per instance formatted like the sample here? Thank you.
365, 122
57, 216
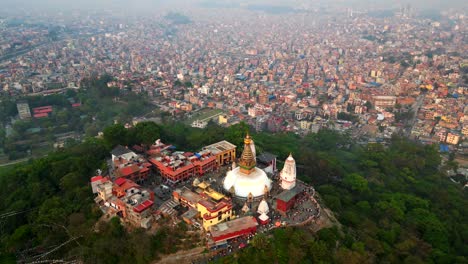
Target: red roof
41, 115
42, 109
126, 171
143, 206
120, 181
96, 178
76, 104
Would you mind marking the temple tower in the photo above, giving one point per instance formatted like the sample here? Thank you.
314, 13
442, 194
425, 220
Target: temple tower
288, 174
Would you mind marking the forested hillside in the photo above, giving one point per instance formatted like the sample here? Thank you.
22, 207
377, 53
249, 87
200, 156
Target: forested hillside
393, 204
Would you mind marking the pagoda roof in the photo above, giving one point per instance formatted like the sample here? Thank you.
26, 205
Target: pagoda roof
287, 195
266, 157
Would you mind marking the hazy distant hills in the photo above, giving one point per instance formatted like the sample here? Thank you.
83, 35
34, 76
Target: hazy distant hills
148, 5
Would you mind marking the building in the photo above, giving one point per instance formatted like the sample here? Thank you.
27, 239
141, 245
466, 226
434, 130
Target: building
42, 111
126, 199
300, 114
246, 180
224, 151
23, 110
127, 164
305, 125
213, 213
136, 171
222, 119
287, 199
384, 101
212, 208
263, 98
228, 230
134, 203
288, 174
120, 152
199, 124
186, 197
452, 138
267, 162
181, 166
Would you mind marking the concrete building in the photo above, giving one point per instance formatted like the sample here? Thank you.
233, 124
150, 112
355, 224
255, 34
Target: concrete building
23, 110
224, 151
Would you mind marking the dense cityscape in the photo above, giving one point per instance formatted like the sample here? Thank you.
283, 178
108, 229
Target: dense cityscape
298, 72
220, 132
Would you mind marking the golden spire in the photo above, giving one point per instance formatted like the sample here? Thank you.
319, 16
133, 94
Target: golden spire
247, 139
247, 161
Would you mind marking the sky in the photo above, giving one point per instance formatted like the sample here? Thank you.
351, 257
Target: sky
146, 5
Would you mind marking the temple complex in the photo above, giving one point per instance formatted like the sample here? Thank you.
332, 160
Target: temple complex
229, 209
246, 180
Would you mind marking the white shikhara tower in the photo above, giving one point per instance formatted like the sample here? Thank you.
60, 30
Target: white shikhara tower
288, 174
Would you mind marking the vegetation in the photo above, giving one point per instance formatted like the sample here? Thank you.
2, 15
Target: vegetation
393, 204
100, 106
53, 204
348, 117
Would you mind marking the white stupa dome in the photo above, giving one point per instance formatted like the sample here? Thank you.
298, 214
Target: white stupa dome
244, 184
247, 179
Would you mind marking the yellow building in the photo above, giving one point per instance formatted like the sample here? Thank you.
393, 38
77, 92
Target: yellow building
465, 130
452, 138
212, 207
305, 125
213, 213
222, 119
205, 188
225, 152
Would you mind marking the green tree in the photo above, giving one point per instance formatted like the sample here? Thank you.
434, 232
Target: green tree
147, 132
355, 182
115, 135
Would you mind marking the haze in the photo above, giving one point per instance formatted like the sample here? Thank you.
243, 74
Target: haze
159, 5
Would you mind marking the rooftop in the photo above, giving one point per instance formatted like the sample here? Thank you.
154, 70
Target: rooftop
287, 195
233, 226
266, 157
220, 146
120, 150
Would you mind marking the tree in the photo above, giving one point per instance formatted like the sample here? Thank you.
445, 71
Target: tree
355, 182
261, 242
115, 135
236, 133
2, 137
147, 132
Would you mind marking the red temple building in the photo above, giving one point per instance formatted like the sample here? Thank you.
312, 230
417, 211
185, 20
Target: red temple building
232, 229
287, 199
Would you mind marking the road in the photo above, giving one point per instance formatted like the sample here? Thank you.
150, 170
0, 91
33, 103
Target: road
21, 52
15, 54
14, 162
415, 108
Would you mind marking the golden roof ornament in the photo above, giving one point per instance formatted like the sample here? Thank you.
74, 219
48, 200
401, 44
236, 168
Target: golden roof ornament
247, 160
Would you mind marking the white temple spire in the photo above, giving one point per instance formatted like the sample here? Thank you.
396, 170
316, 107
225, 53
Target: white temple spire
288, 174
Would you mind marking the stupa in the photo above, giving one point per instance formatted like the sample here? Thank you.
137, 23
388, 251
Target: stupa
288, 174
246, 178
263, 207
